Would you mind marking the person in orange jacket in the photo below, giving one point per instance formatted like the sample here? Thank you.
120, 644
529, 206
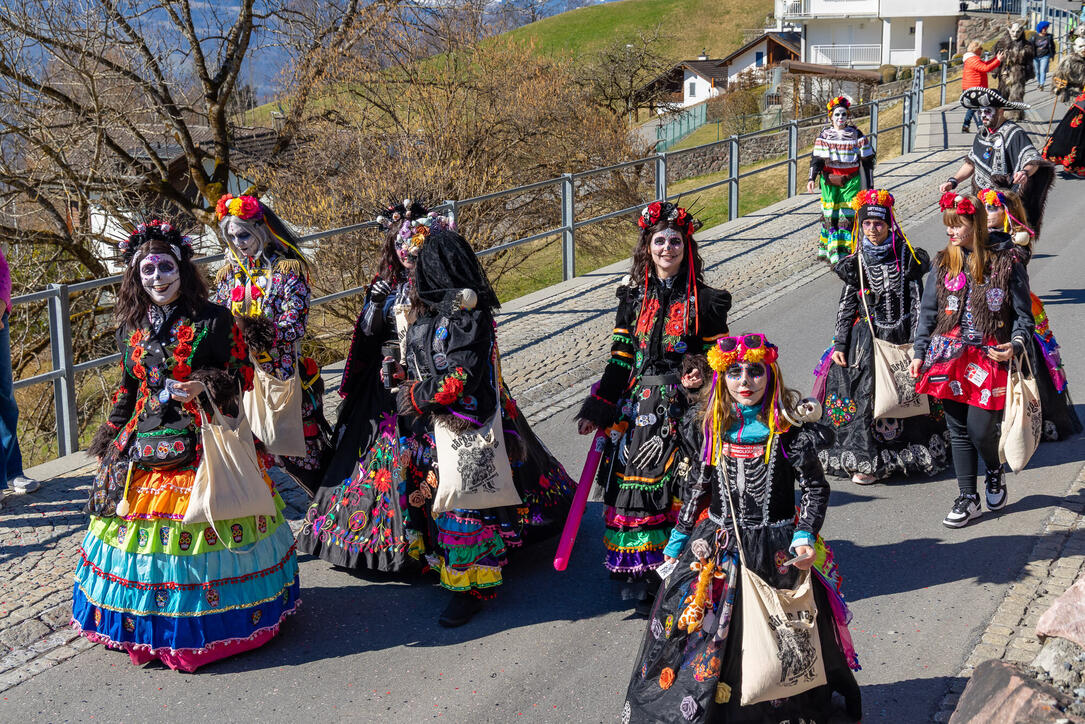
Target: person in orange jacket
975, 75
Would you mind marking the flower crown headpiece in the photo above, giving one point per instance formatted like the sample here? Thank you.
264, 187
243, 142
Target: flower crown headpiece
658, 211
873, 197
993, 197
151, 231
416, 224
749, 348
719, 360
961, 204
838, 101
247, 208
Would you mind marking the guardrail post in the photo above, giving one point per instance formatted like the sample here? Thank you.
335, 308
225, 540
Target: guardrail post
792, 157
661, 177
920, 91
942, 89
732, 189
906, 124
451, 204
60, 341
568, 231
874, 124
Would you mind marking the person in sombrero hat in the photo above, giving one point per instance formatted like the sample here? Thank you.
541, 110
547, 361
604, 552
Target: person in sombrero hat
1002, 147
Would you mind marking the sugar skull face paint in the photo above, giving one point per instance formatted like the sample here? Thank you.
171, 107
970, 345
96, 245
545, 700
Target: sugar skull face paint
989, 117
161, 278
668, 249
839, 117
248, 238
746, 381
876, 231
996, 216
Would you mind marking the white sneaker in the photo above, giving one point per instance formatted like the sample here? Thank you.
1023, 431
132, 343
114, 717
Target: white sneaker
863, 479
23, 484
965, 508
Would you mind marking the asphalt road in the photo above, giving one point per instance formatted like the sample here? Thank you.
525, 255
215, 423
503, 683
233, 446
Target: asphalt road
559, 647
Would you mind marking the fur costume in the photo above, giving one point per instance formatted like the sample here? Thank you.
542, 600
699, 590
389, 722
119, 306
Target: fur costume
1016, 70
1072, 70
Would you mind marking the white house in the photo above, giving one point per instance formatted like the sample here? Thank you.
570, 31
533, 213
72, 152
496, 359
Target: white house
702, 79
762, 53
869, 33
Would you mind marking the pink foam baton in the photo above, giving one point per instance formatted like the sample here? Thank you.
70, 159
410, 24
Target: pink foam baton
580, 501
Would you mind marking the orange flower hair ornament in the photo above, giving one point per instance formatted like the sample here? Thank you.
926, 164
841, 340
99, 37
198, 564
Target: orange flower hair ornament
747, 348
991, 197
838, 101
884, 200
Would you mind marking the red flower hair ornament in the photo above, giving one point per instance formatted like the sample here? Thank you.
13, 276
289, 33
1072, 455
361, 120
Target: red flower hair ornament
658, 211
961, 204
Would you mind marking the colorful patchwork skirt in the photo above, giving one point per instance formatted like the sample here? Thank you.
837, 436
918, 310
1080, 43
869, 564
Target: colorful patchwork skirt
837, 218
159, 589
689, 667
381, 518
639, 477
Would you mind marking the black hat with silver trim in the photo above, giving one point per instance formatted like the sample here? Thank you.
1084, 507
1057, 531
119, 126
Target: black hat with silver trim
990, 98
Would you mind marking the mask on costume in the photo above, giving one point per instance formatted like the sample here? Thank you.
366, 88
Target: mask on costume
1016, 31
249, 238
1079, 46
839, 118
161, 277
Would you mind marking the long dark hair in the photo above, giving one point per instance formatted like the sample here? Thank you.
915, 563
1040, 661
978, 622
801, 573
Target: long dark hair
390, 268
642, 254
446, 265
133, 301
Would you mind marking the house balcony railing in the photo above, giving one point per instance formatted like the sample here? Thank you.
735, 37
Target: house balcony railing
846, 55
789, 9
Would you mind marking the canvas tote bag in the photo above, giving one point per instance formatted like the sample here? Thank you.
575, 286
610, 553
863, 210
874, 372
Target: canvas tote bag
273, 407
473, 468
1022, 420
229, 482
894, 387
781, 648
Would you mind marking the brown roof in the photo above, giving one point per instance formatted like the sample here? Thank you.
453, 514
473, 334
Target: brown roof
789, 41
710, 69
829, 71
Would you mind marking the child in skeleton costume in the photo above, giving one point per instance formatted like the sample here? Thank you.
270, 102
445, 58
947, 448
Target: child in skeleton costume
757, 452
1066, 146
843, 163
665, 311
1006, 213
865, 449
976, 314
360, 517
451, 374
266, 285
146, 582
1017, 68
1070, 75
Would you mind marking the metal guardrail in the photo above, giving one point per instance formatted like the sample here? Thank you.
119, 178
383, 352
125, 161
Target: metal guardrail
58, 296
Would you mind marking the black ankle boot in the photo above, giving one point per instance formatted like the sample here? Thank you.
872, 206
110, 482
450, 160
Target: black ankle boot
460, 609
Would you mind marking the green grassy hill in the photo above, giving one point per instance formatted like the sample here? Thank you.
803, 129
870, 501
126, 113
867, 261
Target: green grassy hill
690, 25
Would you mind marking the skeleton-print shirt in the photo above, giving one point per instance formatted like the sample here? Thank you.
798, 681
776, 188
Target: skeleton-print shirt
764, 492
894, 288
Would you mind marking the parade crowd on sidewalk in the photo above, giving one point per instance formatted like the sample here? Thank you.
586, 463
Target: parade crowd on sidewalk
712, 470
